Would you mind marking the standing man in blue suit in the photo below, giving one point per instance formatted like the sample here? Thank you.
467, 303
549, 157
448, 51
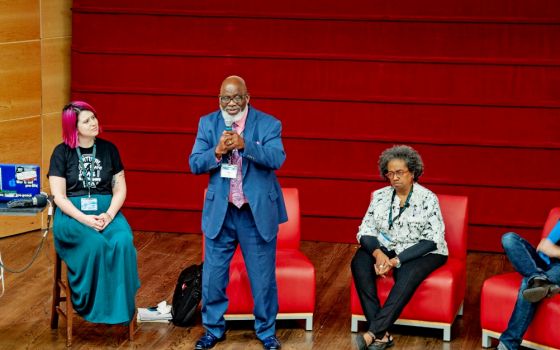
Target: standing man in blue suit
240, 148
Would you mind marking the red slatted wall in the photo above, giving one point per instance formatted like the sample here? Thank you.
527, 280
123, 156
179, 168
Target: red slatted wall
474, 85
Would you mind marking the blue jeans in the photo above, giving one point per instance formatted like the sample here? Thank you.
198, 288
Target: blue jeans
525, 260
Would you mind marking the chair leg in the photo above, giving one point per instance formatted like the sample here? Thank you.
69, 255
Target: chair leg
309, 323
460, 313
486, 341
447, 333
56, 293
354, 325
69, 311
132, 328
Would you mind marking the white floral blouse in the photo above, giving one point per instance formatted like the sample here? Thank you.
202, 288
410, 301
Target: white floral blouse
421, 219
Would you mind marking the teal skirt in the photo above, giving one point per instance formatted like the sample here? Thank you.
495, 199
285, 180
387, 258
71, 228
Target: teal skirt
102, 266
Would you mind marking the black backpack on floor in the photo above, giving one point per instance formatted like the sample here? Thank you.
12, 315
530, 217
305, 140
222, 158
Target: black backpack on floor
187, 295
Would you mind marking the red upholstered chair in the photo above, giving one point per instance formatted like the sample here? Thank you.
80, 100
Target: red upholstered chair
295, 274
439, 298
498, 297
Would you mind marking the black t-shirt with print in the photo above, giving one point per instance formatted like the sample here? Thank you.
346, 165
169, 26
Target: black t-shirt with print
65, 163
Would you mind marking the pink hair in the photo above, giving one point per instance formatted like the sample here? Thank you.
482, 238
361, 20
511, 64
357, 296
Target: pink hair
70, 114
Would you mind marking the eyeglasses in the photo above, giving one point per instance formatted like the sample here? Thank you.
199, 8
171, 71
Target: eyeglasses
237, 98
398, 173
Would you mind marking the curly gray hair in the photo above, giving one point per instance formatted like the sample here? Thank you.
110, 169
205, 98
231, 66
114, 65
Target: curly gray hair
406, 153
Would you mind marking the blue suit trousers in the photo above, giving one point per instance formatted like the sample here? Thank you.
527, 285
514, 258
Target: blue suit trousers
260, 260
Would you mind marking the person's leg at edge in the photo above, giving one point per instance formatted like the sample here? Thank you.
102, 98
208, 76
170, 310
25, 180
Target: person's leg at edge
520, 319
523, 256
553, 272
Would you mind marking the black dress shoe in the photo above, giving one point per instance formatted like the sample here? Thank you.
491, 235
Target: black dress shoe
271, 343
207, 341
538, 289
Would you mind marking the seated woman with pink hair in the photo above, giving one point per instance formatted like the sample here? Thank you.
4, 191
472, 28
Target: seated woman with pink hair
91, 235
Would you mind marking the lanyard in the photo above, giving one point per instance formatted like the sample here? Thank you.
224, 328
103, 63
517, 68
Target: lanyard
89, 183
401, 209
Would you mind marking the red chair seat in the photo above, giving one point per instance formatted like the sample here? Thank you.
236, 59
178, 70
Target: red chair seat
292, 269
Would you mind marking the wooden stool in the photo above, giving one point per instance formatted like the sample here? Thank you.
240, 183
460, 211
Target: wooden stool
61, 285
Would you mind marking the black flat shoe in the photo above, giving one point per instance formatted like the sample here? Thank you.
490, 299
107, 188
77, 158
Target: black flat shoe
361, 342
380, 345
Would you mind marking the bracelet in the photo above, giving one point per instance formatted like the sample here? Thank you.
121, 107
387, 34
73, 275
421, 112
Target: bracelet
110, 216
398, 265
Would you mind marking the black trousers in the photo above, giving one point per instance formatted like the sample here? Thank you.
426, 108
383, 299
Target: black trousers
407, 279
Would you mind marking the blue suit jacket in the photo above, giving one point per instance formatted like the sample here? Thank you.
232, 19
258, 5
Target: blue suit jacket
263, 154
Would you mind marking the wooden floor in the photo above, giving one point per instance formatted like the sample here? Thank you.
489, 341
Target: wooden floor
25, 306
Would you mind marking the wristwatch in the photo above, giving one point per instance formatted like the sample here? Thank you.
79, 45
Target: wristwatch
398, 262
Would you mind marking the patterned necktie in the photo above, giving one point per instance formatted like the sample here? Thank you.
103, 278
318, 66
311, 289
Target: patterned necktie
236, 185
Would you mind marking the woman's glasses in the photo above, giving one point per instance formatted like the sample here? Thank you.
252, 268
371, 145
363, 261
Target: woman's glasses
398, 173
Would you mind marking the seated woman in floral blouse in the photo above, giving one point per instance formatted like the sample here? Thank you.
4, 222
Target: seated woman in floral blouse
402, 231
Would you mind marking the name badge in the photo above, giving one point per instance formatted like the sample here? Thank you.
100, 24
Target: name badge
228, 171
384, 239
89, 204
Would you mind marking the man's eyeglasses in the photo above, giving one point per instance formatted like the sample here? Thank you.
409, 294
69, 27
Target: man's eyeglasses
237, 98
398, 173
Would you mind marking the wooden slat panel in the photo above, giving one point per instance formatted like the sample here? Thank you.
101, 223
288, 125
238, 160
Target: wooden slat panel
477, 10
473, 86
323, 229
19, 20
345, 81
20, 80
483, 238
465, 165
480, 238
487, 205
52, 136
12, 225
347, 199
175, 159
179, 191
324, 39
56, 18
20, 141
449, 125
55, 73
163, 220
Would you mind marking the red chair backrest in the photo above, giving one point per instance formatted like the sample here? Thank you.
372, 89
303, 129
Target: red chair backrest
289, 233
551, 221
454, 212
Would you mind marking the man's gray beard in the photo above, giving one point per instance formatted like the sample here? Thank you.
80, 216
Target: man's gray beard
236, 117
